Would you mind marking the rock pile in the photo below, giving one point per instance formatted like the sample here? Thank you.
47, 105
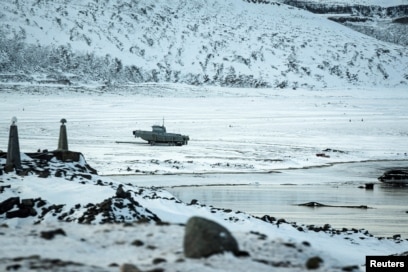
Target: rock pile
121, 208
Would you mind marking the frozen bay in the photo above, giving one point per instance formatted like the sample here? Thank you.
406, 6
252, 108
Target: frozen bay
231, 130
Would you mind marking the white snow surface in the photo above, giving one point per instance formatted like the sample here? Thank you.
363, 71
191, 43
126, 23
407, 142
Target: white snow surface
231, 130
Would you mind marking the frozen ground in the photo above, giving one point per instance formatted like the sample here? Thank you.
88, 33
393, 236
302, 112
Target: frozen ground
231, 131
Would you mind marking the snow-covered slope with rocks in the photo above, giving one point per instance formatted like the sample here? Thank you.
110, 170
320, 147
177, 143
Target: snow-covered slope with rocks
76, 212
383, 20
228, 43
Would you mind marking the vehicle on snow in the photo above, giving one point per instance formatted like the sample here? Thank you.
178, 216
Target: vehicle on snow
159, 135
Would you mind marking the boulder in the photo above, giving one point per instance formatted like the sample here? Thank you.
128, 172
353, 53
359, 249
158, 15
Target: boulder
204, 238
129, 268
314, 263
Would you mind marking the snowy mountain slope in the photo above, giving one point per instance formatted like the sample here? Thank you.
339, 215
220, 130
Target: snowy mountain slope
383, 20
380, 3
228, 43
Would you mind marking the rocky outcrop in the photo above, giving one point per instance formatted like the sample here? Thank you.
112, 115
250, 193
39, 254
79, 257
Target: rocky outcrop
55, 163
117, 210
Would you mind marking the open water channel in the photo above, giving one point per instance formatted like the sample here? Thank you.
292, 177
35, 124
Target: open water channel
278, 194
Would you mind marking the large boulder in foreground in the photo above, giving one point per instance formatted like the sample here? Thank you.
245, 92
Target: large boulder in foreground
204, 238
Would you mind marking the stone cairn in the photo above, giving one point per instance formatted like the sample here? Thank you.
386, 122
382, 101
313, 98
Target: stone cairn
13, 152
63, 138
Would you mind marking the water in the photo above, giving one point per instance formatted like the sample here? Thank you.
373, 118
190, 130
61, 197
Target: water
278, 195
387, 214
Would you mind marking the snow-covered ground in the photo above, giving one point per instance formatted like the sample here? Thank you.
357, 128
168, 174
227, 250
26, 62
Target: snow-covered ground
231, 130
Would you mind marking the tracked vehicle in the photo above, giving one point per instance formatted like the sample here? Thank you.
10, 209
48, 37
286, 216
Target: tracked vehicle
159, 135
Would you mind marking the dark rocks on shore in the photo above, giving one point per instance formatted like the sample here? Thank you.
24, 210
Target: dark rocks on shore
41, 165
204, 238
268, 219
193, 202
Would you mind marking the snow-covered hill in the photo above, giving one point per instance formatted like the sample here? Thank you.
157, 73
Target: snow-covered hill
383, 20
227, 43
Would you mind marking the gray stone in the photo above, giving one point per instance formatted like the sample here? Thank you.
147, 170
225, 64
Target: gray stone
204, 238
129, 268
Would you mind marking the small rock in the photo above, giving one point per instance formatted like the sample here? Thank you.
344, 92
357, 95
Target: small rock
48, 235
350, 268
204, 238
396, 236
129, 268
326, 227
137, 243
306, 243
268, 219
313, 263
159, 260
9, 204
